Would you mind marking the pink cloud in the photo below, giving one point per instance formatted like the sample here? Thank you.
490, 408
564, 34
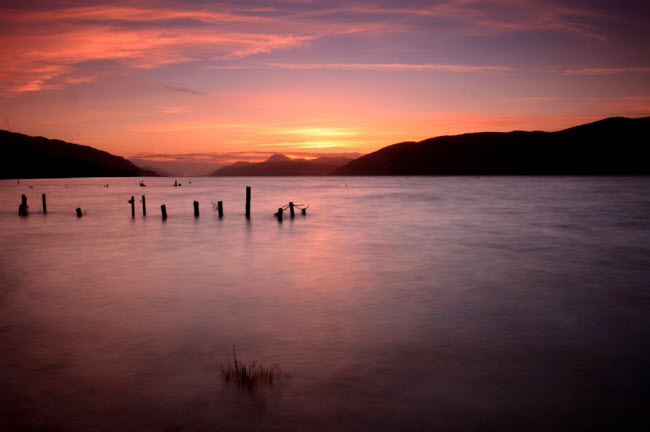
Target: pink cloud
49, 45
175, 110
133, 14
370, 67
522, 15
40, 62
607, 71
486, 16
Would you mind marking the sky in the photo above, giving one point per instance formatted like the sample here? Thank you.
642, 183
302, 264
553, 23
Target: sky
225, 81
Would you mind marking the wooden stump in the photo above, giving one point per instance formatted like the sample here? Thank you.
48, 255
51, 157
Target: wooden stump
22, 208
248, 202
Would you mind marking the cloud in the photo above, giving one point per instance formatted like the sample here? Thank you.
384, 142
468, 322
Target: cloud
185, 90
499, 16
107, 12
607, 71
47, 47
369, 67
36, 63
50, 46
175, 110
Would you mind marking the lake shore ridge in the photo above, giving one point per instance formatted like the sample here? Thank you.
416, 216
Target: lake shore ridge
613, 146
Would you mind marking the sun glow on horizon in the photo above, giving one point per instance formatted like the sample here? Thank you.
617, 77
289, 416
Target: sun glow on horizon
236, 77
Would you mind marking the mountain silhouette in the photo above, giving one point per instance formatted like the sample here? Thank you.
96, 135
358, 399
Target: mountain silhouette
615, 145
278, 158
281, 165
37, 157
176, 167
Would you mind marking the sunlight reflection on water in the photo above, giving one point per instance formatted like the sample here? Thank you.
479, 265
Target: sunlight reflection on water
395, 304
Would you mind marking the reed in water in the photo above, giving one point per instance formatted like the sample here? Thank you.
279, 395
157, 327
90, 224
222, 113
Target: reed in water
248, 374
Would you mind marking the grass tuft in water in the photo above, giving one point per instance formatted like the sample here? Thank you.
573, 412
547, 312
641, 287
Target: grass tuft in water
248, 374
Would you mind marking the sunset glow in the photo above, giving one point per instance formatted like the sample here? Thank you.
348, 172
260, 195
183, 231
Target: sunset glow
297, 77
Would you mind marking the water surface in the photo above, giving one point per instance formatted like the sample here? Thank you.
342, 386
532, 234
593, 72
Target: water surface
397, 303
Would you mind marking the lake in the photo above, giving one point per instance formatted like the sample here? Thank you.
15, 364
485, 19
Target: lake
396, 303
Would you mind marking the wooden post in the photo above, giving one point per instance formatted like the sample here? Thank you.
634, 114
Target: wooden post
44, 204
22, 208
304, 211
144, 207
163, 210
293, 214
220, 208
248, 202
280, 210
132, 202
79, 212
196, 209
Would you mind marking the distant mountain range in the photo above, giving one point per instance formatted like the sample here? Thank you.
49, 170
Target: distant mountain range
280, 165
175, 167
615, 145
37, 157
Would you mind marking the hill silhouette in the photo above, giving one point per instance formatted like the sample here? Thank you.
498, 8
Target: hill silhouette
175, 167
281, 165
38, 157
615, 145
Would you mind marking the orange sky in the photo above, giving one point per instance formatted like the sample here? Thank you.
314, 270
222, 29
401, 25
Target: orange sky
299, 77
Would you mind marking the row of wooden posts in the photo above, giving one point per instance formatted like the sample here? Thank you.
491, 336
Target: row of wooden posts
22, 208
163, 208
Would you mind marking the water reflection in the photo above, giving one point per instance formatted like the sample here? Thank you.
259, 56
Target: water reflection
395, 304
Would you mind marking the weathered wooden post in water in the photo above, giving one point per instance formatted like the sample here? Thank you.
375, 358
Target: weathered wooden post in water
79, 212
132, 202
163, 210
22, 208
220, 208
248, 202
196, 209
280, 211
44, 204
23, 200
304, 211
144, 207
291, 212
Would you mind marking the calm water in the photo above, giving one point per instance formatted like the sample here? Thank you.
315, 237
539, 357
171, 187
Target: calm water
397, 303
